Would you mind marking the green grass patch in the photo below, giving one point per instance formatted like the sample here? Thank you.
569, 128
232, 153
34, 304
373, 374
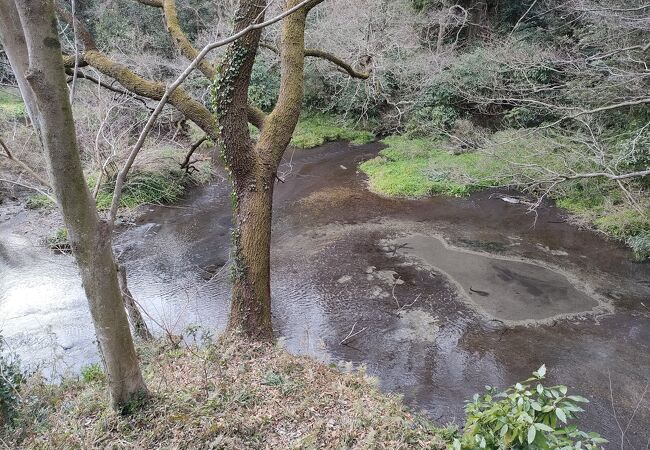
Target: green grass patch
39, 201
420, 167
145, 188
316, 130
11, 105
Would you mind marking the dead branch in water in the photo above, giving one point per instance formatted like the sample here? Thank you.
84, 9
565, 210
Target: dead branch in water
352, 334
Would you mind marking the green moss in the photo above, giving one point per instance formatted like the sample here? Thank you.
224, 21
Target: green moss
420, 167
316, 130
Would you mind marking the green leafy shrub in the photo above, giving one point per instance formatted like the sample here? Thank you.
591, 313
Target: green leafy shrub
527, 415
93, 373
430, 120
264, 87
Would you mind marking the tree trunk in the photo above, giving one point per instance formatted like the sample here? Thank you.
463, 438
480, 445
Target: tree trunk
138, 324
250, 312
36, 60
91, 244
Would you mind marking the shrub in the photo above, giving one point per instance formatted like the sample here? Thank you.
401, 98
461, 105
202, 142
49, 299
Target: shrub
39, 201
146, 187
430, 120
59, 242
93, 373
10, 380
264, 87
525, 416
640, 245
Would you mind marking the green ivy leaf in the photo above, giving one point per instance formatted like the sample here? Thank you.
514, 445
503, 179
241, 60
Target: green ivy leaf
559, 412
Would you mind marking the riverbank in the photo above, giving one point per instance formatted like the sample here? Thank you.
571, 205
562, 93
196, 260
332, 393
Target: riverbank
420, 167
227, 394
429, 331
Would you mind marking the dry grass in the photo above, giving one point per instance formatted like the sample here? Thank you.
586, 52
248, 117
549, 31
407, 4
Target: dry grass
230, 394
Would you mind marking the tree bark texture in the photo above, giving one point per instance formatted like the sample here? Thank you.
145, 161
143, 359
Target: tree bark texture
35, 56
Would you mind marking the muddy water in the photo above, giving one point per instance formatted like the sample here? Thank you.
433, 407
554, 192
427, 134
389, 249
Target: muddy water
447, 295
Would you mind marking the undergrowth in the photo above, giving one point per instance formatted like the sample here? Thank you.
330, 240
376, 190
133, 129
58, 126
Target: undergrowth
142, 187
229, 394
11, 106
233, 393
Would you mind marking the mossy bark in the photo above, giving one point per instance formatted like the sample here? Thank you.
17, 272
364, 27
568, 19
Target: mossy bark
250, 311
254, 164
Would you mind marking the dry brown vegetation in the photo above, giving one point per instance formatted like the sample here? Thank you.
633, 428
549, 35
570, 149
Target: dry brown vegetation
228, 394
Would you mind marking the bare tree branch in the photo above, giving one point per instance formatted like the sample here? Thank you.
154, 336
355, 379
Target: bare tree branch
171, 90
10, 156
315, 53
186, 163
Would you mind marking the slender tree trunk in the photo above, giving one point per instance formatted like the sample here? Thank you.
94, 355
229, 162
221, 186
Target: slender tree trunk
251, 292
138, 324
36, 59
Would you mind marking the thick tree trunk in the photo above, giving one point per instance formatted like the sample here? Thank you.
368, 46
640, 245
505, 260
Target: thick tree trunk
36, 59
250, 311
254, 165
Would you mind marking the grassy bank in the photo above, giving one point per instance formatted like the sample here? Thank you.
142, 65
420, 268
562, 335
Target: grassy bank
421, 167
230, 394
11, 105
316, 129
161, 186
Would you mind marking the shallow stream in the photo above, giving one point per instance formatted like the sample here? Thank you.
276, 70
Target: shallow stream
451, 293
